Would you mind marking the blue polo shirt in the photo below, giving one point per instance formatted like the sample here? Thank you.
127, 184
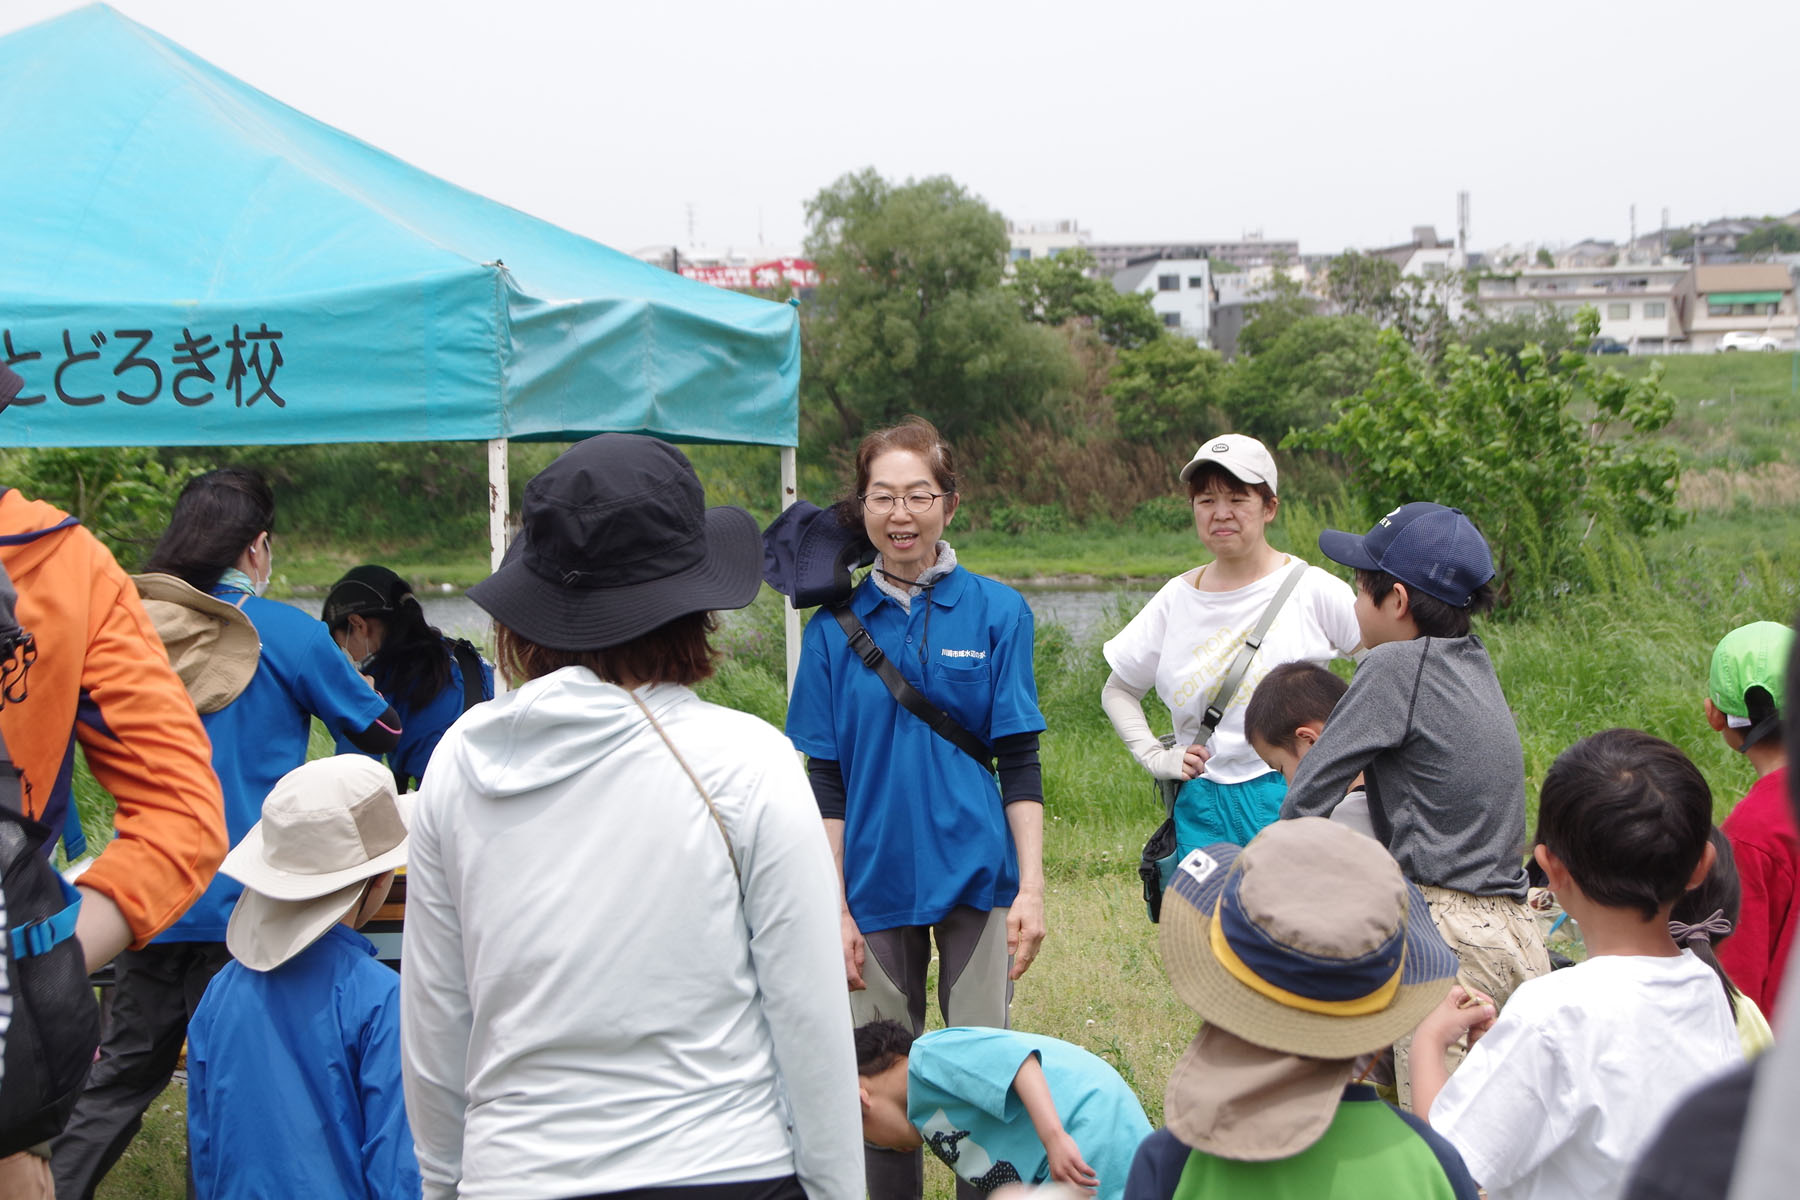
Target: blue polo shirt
924, 828
262, 735
294, 1079
422, 728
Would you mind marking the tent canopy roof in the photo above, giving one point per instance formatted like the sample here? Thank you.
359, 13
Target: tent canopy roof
178, 234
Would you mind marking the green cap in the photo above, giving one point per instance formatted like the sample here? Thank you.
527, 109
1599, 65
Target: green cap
1750, 656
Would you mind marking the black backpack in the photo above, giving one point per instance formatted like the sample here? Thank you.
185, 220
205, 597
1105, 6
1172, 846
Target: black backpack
54, 1029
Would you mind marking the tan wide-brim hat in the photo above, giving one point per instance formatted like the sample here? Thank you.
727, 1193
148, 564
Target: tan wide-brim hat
211, 644
1309, 941
1237, 1100
328, 826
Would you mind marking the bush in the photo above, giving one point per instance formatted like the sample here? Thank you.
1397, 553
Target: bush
1164, 514
1019, 519
1543, 457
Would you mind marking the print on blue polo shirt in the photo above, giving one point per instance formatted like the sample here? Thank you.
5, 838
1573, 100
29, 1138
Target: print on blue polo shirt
262, 735
924, 829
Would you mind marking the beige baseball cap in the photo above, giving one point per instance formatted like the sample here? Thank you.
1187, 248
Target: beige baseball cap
1242, 455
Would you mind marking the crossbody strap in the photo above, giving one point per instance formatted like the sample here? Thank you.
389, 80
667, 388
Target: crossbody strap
908, 696
1240, 666
698, 786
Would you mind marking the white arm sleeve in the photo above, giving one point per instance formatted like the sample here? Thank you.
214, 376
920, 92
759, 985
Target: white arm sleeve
1125, 709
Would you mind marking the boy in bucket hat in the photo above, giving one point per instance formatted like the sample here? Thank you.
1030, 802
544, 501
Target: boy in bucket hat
1426, 724
1745, 688
1306, 953
294, 1053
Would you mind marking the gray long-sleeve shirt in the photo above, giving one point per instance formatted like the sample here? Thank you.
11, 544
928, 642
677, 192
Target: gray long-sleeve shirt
1427, 724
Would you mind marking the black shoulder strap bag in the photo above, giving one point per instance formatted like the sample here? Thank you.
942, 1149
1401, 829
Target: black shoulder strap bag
1157, 865
908, 696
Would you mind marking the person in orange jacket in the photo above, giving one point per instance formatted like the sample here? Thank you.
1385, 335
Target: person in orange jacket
101, 679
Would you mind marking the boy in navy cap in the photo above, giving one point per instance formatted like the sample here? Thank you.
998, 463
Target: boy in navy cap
1427, 726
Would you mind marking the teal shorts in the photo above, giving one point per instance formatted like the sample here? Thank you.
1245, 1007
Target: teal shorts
1208, 812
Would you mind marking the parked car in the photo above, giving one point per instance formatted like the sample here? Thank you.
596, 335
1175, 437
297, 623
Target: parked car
1606, 345
1745, 340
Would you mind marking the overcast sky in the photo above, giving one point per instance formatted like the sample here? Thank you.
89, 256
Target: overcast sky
1336, 124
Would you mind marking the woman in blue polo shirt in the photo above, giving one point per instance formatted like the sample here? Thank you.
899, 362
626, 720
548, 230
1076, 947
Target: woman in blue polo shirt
218, 542
931, 846
428, 678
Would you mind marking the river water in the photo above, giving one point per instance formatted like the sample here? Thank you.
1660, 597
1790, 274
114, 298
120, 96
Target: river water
1086, 612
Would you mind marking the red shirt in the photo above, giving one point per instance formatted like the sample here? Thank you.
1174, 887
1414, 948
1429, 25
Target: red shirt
1767, 848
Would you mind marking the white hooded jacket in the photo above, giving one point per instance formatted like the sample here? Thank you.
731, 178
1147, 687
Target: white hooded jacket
587, 1004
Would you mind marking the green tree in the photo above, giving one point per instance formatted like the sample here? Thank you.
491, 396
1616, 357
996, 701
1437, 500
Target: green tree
1544, 259
1169, 388
911, 314
1541, 457
1776, 236
1296, 381
1365, 285
1507, 336
122, 494
1054, 291
1279, 304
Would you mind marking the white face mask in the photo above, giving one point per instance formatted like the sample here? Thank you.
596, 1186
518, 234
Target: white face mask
261, 586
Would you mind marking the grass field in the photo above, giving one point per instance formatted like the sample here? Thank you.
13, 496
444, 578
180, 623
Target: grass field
1633, 656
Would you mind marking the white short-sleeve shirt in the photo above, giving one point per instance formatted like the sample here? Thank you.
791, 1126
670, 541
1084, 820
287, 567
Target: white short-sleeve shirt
1183, 642
1560, 1097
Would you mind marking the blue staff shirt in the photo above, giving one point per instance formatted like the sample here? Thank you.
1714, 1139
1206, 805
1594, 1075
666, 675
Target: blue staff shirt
960, 1097
262, 735
422, 728
924, 827
294, 1079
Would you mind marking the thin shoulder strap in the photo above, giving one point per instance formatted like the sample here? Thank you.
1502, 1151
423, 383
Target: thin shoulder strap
698, 786
1228, 686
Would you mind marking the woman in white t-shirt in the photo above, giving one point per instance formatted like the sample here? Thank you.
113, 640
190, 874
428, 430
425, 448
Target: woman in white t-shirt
1184, 642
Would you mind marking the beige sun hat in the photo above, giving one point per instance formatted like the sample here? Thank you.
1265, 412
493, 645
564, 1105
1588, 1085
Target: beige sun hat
328, 826
211, 643
1302, 951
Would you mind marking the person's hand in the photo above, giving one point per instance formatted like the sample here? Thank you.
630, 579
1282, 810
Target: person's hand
370, 680
1463, 1011
1067, 1165
855, 952
1193, 760
1025, 929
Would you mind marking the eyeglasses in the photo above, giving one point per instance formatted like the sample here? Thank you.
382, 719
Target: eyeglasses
881, 504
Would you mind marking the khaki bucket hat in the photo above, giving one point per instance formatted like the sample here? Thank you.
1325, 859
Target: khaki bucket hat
327, 827
1301, 951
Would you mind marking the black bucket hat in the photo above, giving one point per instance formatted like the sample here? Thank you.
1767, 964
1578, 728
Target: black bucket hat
368, 590
809, 552
617, 540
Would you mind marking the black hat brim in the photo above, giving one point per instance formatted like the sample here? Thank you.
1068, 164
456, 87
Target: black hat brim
557, 617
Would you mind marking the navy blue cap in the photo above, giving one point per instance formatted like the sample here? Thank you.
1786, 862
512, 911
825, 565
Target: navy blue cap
810, 552
1425, 546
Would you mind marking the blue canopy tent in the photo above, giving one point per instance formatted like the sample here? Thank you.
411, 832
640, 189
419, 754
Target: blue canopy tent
185, 261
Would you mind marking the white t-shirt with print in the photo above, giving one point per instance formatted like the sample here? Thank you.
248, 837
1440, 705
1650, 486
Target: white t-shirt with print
1184, 642
1559, 1098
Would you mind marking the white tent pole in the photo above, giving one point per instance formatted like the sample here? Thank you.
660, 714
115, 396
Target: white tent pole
790, 488
499, 499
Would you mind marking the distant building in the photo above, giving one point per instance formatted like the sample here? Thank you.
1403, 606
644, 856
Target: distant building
1426, 256
1636, 304
1244, 253
1029, 240
1235, 295
1180, 290
1588, 253
1748, 297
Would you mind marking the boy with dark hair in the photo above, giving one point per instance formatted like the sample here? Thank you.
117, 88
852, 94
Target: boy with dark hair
1745, 687
1426, 724
1284, 719
999, 1106
1559, 1095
